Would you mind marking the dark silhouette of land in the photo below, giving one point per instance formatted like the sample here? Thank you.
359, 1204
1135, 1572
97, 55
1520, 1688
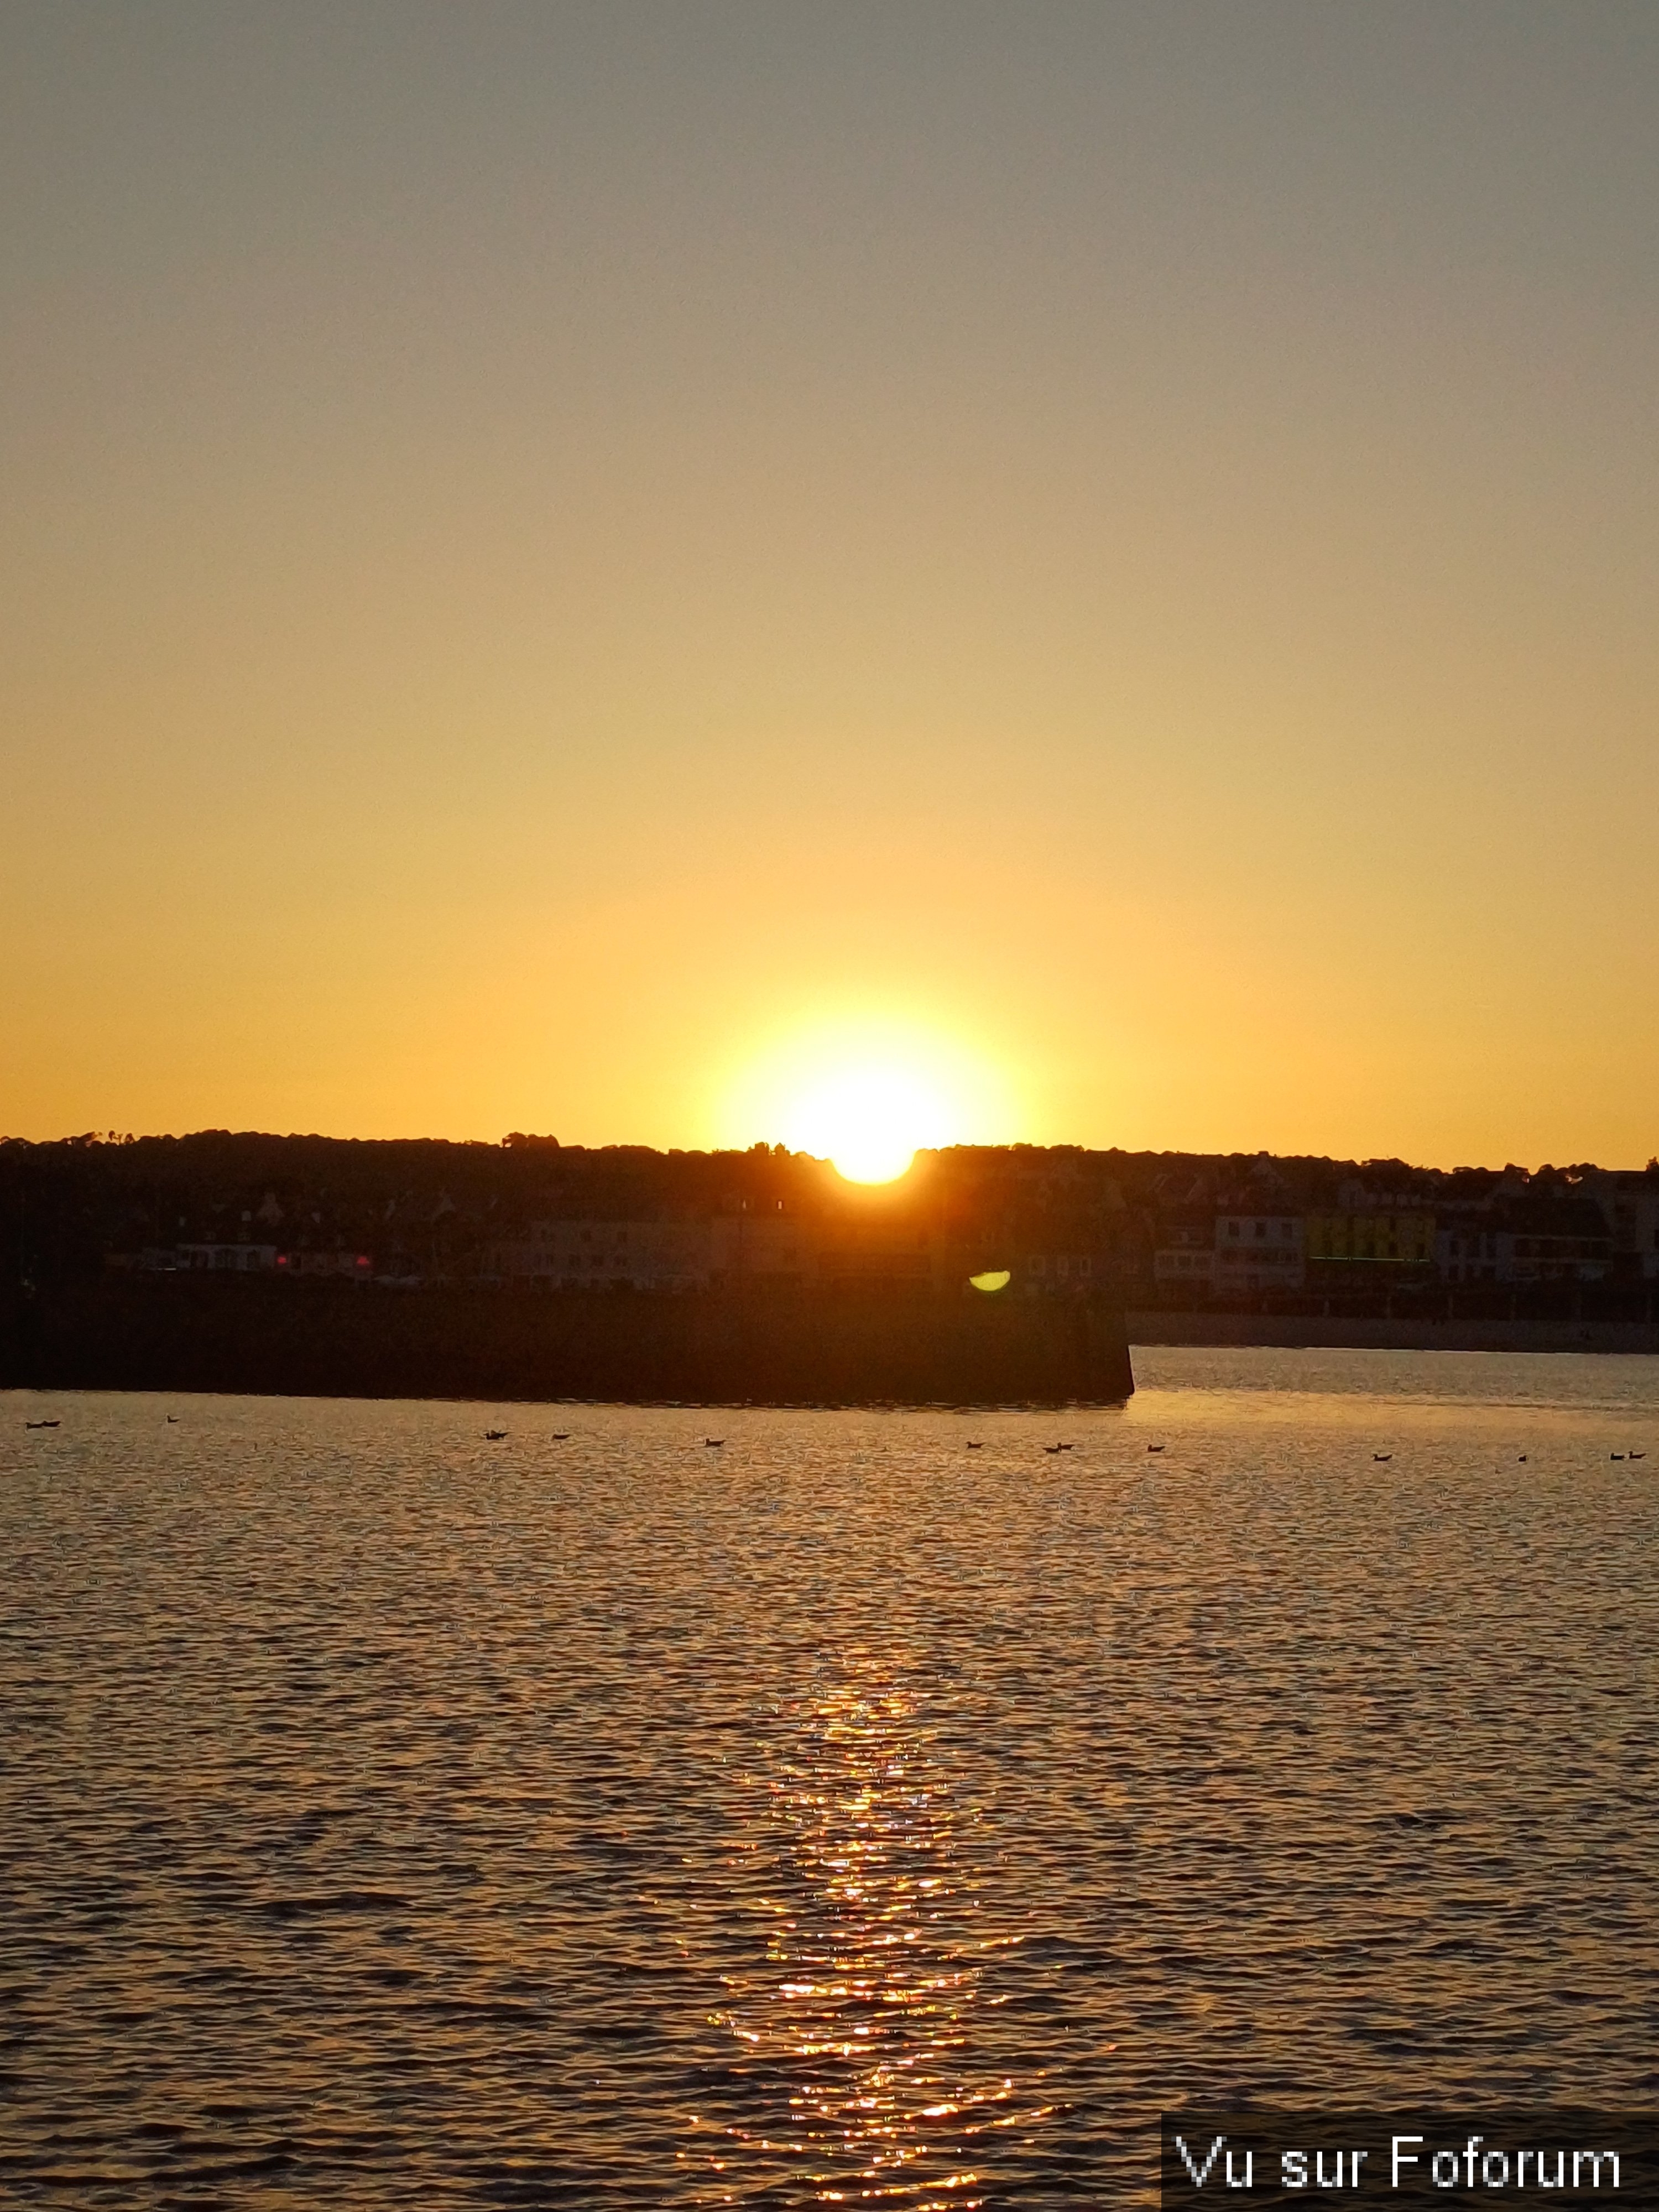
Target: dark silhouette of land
462, 1341
526, 1270
530, 1268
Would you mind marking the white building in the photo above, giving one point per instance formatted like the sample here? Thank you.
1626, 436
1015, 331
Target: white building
1258, 1252
254, 1260
356, 1266
219, 1259
1184, 1257
1468, 1254
772, 1247
586, 1255
1629, 1203
1469, 1250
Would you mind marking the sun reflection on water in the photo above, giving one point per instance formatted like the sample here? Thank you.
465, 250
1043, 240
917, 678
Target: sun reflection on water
858, 2030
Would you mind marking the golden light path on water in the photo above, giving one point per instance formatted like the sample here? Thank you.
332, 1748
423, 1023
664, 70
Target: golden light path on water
398, 1819
875, 1956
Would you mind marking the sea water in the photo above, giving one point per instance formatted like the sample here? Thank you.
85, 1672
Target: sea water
882, 1808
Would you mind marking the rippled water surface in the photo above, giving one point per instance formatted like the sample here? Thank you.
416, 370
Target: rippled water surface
389, 1817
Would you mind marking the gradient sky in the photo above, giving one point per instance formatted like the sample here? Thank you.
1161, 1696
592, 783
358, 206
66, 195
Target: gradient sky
555, 555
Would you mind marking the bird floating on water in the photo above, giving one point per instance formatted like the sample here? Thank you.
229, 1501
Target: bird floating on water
1154, 1447
972, 1446
713, 1442
40, 1424
1381, 1455
494, 1436
561, 1436
1615, 1455
1638, 1454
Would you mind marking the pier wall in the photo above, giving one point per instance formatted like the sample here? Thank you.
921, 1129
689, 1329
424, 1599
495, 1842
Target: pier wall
761, 1348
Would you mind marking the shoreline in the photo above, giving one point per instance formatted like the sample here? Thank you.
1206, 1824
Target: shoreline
1332, 1333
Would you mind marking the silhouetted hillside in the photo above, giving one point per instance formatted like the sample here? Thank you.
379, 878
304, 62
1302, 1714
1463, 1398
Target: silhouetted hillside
1062, 1220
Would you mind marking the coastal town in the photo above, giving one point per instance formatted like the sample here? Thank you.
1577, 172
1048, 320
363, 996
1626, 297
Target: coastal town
1157, 1231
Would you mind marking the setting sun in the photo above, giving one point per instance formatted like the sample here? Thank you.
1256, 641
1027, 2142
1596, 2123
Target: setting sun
870, 1123
867, 1096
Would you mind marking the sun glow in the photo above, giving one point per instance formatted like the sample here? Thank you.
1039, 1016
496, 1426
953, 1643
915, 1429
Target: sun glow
871, 1122
868, 1098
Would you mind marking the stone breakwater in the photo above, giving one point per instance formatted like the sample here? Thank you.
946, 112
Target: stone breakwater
777, 1349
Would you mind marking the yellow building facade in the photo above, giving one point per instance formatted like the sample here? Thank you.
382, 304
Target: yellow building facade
1395, 1240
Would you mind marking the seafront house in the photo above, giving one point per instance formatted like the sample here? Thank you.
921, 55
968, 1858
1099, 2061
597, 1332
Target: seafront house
239, 1259
1467, 1251
1256, 1252
1551, 1238
1371, 1249
590, 1255
327, 1266
1628, 1203
1183, 1255
753, 1246
1061, 1274
211, 1259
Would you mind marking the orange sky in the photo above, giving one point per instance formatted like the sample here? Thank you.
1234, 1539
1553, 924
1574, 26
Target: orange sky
558, 556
